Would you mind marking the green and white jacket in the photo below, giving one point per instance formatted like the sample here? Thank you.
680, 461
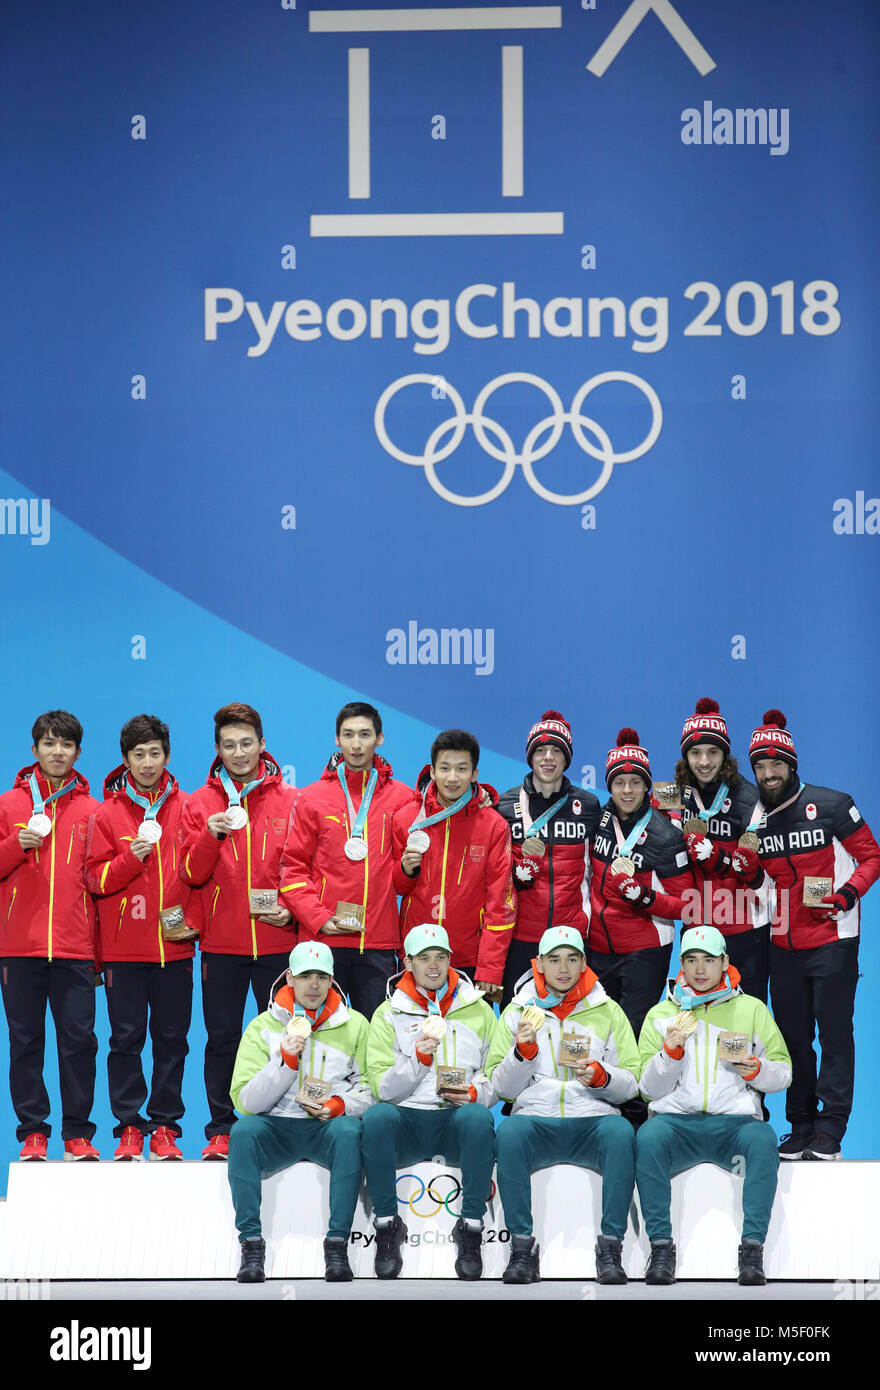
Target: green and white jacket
263, 1083
542, 1087
395, 1072
698, 1083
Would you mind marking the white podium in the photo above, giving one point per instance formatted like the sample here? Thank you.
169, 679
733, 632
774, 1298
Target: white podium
174, 1220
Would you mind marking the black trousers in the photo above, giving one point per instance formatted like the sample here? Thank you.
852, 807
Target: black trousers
68, 986
749, 951
363, 977
136, 989
520, 955
225, 984
636, 981
810, 988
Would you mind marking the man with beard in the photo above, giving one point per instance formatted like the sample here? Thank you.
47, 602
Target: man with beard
717, 812
823, 858
551, 823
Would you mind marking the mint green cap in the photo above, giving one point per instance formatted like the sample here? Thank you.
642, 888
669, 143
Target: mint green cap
706, 939
311, 955
560, 936
426, 937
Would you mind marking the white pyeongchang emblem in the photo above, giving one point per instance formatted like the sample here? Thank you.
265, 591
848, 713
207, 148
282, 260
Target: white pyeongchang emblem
811, 812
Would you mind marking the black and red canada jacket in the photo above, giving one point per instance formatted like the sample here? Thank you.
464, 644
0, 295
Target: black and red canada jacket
820, 834
724, 903
661, 863
557, 891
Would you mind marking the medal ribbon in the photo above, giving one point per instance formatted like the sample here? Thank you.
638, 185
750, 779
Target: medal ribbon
533, 827
151, 808
233, 796
624, 846
433, 1005
357, 824
422, 820
689, 999
38, 801
759, 814
704, 815
549, 1001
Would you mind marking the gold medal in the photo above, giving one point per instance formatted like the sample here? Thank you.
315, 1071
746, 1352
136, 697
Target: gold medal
685, 1022
533, 844
749, 840
623, 865
695, 826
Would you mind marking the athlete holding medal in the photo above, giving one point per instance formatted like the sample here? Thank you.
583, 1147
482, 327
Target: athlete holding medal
453, 861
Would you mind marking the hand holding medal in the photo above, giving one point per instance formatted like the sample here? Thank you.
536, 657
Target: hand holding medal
298, 1032
531, 1021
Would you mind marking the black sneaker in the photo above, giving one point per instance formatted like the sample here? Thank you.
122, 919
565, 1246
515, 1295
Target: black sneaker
661, 1267
469, 1244
337, 1270
253, 1262
751, 1263
823, 1146
523, 1266
389, 1239
609, 1269
795, 1145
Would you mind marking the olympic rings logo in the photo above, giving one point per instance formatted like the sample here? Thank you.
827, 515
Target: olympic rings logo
496, 441
432, 1194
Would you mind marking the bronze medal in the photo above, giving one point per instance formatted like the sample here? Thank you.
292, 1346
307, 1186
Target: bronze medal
749, 840
695, 826
623, 865
533, 844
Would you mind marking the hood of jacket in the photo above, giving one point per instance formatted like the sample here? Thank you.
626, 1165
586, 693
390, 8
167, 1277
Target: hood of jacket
273, 771
114, 782
21, 781
735, 979
384, 769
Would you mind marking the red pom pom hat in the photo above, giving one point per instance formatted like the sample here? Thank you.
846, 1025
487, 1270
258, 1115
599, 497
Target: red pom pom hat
772, 740
552, 727
705, 725
628, 756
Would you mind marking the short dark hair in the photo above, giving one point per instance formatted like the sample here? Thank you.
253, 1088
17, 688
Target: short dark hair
454, 741
60, 723
357, 709
144, 728
237, 714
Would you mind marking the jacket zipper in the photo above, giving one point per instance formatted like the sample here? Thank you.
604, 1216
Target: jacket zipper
366, 871
253, 918
443, 874
52, 876
161, 904
11, 902
706, 1075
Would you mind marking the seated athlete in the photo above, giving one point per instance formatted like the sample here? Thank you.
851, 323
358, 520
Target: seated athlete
703, 1107
565, 1054
299, 1083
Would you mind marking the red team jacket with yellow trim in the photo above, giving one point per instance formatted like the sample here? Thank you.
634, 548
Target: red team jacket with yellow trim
821, 833
660, 857
45, 909
464, 884
316, 875
132, 893
226, 870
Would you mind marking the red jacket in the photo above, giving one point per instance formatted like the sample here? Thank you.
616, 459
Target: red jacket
228, 869
45, 909
465, 882
660, 857
315, 873
131, 893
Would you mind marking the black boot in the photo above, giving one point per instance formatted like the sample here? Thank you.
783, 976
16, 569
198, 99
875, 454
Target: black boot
609, 1269
661, 1268
751, 1263
337, 1270
469, 1244
389, 1239
523, 1266
253, 1262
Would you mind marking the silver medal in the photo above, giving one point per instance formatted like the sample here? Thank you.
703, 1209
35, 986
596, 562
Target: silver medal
150, 830
355, 849
419, 841
236, 817
40, 824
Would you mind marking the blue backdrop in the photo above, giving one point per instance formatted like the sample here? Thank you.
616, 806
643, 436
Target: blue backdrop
627, 252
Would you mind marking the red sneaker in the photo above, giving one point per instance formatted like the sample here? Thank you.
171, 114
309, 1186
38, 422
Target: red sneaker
35, 1146
218, 1147
162, 1143
75, 1149
131, 1144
